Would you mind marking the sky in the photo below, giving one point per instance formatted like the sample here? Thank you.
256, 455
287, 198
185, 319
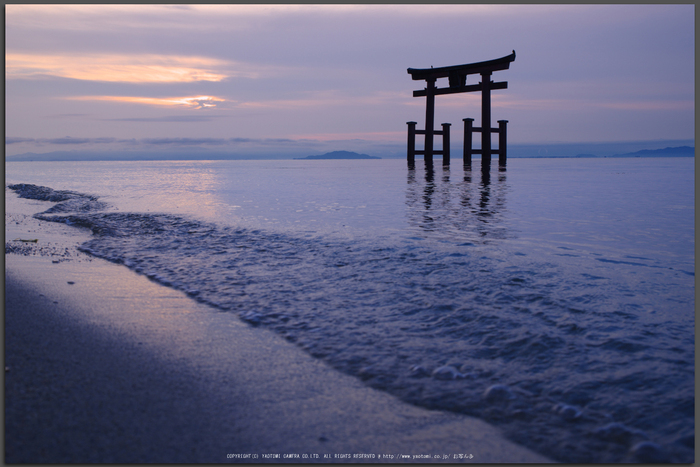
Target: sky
306, 79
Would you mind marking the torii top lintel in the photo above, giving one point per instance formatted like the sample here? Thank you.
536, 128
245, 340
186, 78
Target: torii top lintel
469, 69
457, 75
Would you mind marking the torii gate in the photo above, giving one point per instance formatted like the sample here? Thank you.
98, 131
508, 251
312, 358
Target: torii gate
457, 76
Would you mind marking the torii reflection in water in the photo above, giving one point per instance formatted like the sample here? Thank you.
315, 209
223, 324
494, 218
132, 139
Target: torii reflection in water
457, 210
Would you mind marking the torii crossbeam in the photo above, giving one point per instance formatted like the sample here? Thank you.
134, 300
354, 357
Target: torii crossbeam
457, 76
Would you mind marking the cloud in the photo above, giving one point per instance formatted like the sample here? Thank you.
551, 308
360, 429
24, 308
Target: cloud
14, 140
314, 99
100, 18
188, 142
267, 141
69, 140
515, 102
120, 68
390, 136
329, 99
162, 142
61, 141
67, 116
650, 105
185, 141
169, 119
197, 102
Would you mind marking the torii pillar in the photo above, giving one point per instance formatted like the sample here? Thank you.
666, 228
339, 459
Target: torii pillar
457, 76
486, 119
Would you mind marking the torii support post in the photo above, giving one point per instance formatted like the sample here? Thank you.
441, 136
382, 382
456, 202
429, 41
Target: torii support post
485, 121
446, 144
502, 143
429, 120
411, 156
467, 151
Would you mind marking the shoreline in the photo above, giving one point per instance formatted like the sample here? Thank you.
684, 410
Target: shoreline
103, 365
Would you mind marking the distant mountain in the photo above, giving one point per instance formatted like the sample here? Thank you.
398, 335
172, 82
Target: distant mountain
681, 151
339, 155
593, 149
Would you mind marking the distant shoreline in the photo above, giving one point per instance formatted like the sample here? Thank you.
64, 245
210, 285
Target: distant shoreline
515, 152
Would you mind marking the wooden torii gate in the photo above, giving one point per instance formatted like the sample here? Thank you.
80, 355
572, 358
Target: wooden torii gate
457, 76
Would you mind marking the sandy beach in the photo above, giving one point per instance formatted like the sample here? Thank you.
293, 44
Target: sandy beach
103, 365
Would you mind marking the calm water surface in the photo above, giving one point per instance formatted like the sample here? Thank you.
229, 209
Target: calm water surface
555, 300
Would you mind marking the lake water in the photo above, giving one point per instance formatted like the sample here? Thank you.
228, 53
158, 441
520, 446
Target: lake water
554, 300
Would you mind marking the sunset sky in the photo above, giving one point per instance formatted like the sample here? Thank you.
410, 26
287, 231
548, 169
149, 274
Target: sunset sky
262, 79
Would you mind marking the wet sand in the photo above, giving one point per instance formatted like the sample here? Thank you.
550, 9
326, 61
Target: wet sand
103, 365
